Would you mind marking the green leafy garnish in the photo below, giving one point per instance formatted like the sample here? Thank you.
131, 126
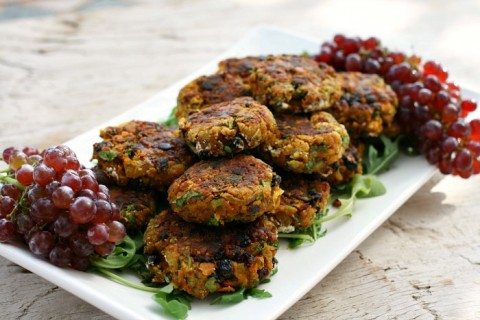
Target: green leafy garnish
302, 235
361, 186
172, 305
108, 155
126, 257
260, 293
172, 120
119, 258
379, 159
240, 295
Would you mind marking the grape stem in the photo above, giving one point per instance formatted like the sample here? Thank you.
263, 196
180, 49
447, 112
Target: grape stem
10, 180
127, 283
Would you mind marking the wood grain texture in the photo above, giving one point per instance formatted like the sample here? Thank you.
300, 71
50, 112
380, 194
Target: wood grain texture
62, 75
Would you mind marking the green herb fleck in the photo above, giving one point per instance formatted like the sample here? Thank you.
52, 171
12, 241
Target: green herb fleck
190, 194
211, 284
217, 203
108, 155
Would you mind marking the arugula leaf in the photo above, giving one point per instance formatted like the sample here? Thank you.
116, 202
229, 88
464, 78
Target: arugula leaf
240, 295
259, 293
171, 305
302, 235
375, 161
361, 186
233, 297
124, 252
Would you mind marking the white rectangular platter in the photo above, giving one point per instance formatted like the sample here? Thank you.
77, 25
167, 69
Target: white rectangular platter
298, 270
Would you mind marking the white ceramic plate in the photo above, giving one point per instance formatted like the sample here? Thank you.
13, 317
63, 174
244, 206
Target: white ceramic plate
299, 270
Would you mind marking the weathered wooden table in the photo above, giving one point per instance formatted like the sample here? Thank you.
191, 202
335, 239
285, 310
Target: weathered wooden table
64, 74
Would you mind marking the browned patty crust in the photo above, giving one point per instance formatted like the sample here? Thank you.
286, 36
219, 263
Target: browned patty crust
219, 191
242, 67
207, 90
349, 165
307, 144
142, 154
227, 128
202, 260
294, 84
136, 207
303, 199
367, 105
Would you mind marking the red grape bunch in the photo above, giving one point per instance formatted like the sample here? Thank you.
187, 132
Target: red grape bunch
56, 206
430, 105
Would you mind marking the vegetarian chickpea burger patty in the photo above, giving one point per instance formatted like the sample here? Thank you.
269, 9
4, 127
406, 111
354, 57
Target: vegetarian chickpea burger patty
303, 199
142, 154
367, 104
207, 90
202, 260
294, 84
229, 127
307, 143
216, 192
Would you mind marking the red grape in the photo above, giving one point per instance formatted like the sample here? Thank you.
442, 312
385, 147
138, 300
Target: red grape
353, 62
64, 227
44, 211
7, 230
62, 197
41, 243
117, 231
61, 255
43, 174
80, 245
71, 179
7, 205
55, 158
24, 174
12, 191
97, 234
105, 248
82, 210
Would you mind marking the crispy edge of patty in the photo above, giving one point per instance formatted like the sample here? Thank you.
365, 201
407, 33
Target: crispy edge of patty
227, 128
142, 154
349, 165
294, 84
207, 90
136, 207
367, 105
219, 191
303, 199
307, 144
202, 260
242, 67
